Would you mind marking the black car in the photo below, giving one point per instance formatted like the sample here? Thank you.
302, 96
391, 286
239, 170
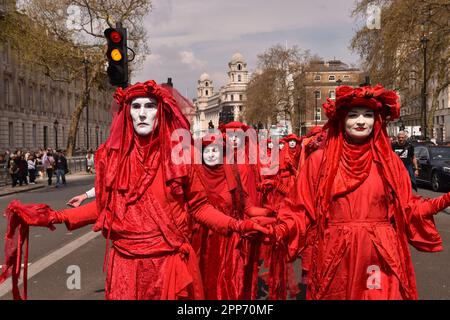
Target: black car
434, 162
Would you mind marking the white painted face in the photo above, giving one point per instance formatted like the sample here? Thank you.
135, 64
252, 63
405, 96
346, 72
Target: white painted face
270, 145
211, 155
143, 113
281, 145
359, 123
236, 140
292, 144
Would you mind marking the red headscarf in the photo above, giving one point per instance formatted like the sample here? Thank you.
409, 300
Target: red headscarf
123, 144
220, 177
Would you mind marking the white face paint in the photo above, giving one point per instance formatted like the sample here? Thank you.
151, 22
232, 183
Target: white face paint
281, 145
292, 143
359, 123
211, 155
143, 114
270, 145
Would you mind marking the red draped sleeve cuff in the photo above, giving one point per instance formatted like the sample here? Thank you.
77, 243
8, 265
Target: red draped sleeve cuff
75, 218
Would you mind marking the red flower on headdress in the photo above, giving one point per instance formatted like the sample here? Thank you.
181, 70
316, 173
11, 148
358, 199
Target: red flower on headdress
376, 98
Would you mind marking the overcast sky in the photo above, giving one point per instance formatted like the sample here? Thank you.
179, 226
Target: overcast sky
190, 37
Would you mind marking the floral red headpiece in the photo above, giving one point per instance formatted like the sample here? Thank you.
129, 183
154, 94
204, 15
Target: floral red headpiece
376, 98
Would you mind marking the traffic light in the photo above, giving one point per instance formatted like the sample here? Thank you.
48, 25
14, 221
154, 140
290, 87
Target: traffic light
117, 56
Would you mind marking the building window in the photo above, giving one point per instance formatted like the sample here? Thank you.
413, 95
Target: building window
34, 136
331, 77
332, 94
346, 78
19, 102
10, 133
318, 114
7, 93
239, 67
206, 92
317, 77
240, 108
240, 97
317, 94
23, 134
232, 97
239, 78
206, 84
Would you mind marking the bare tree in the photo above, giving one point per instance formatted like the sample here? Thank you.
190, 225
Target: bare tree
393, 55
56, 37
271, 91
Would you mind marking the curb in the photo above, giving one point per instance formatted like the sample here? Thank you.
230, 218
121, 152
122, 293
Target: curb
7, 193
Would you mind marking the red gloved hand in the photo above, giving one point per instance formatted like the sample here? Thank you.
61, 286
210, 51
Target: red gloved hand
277, 234
36, 214
246, 226
258, 212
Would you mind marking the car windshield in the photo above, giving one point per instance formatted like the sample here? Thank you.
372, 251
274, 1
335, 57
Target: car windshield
440, 153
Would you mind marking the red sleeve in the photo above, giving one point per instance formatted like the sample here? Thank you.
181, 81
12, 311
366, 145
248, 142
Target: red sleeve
420, 226
297, 211
81, 216
201, 210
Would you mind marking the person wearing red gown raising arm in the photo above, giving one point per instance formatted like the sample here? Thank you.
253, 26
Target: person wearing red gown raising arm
143, 200
355, 197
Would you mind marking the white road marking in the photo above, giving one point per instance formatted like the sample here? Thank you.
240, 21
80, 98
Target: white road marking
50, 259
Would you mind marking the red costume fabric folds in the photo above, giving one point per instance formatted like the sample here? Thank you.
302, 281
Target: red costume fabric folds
143, 201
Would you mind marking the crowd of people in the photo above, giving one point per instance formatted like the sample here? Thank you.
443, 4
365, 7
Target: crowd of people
339, 199
24, 167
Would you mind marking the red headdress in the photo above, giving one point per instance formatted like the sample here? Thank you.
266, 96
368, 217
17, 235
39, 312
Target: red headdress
123, 141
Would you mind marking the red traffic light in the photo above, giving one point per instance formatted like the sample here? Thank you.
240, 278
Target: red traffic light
115, 37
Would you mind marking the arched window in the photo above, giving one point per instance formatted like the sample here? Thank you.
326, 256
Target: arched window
239, 78
239, 67
206, 92
206, 84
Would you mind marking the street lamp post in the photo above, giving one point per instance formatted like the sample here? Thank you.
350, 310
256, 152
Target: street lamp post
424, 41
55, 126
315, 110
86, 99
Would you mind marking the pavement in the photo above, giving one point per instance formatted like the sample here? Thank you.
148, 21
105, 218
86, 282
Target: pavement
40, 183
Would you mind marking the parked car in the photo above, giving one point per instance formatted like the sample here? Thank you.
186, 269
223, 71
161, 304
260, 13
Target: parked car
434, 163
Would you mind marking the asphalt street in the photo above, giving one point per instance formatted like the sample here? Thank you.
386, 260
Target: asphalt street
69, 266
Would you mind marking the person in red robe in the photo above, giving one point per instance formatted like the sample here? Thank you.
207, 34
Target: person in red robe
356, 198
223, 259
143, 200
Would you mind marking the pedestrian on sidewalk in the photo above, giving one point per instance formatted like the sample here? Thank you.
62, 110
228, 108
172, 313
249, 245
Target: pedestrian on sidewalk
13, 171
48, 162
31, 169
61, 168
23, 170
89, 162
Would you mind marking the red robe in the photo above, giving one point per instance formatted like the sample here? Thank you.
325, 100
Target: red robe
150, 256
364, 255
225, 265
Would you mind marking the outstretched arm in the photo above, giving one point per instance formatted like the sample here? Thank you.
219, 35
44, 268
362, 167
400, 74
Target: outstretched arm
203, 212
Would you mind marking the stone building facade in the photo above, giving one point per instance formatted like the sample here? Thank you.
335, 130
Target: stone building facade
322, 78
36, 111
227, 102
